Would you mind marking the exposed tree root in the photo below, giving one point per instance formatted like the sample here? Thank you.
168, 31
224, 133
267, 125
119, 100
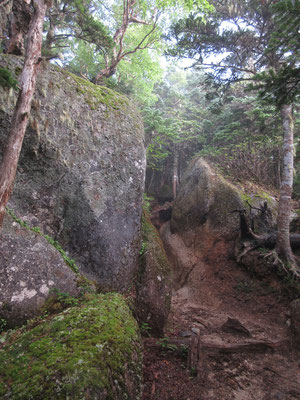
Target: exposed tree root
249, 241
293, 267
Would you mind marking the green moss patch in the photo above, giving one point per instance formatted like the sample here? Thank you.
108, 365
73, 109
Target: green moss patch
7, 80
95, 95
254, 198
86, 352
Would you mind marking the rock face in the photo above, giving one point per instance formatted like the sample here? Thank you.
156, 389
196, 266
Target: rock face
88, 352
206, 200
202, 228
30, 269
154, 283
81, 171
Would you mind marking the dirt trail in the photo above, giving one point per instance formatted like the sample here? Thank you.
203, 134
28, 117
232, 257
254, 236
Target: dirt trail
224, 290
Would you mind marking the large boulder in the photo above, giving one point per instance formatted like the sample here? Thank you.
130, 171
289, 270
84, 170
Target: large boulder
206, 200
154, 282
202, 229
31, 271
81, 171
92, 351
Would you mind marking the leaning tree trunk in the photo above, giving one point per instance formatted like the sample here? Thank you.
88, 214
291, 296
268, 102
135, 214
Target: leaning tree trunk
283, 246
8, 166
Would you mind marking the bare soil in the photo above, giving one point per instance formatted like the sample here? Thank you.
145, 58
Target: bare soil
226, 290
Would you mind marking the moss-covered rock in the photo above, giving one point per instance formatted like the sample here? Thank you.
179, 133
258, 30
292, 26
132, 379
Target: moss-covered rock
81, 171
154, 284
262, 209
92, 351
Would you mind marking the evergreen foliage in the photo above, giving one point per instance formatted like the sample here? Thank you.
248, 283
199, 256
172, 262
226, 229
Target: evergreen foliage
281, 85
7, 80
233, 130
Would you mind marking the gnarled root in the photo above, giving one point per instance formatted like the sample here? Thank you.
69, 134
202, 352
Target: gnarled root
293, 267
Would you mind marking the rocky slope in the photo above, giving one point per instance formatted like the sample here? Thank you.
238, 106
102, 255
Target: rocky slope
234, 322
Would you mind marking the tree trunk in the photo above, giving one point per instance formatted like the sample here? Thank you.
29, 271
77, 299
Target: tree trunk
278, 178
8, 166
175, 174
283, 246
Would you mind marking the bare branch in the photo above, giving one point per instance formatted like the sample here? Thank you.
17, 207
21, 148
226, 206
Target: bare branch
140, 45
234, 67
135, 20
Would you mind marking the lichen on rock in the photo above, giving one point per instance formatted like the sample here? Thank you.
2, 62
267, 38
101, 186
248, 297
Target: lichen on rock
30, 269
81, 171
92, 351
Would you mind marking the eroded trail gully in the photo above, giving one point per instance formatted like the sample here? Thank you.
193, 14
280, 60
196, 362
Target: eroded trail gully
236, 329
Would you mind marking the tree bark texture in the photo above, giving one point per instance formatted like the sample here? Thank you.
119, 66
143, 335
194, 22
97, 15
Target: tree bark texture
9, 162
118, 52
283, 246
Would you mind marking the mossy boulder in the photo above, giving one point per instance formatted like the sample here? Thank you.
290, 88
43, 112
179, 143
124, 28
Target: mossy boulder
154, 283
81, 171
92, 351
206, 199
31, 269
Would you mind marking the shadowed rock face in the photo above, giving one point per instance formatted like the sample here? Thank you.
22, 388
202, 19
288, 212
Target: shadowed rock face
81, 172
154, 282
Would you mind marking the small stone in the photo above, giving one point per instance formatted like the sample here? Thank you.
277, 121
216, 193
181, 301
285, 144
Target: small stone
186, 333
279, 396
233, 325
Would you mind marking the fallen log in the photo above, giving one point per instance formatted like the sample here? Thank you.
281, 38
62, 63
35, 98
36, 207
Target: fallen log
203, 347
250, 346
267, 240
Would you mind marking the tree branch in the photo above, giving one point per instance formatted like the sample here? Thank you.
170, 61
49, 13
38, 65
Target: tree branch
139, 46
